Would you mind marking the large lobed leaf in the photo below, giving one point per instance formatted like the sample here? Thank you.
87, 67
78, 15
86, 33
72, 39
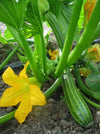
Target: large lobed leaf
64, 17
93, 81
34, 18
12, 12
55, 6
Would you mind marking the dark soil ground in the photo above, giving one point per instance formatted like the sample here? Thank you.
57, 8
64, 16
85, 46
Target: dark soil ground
53, 118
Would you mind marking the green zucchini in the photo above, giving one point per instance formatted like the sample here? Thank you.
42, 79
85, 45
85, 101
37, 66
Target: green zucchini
76, 104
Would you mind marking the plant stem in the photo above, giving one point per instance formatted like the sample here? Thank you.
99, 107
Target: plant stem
22, 52
51, 18
8, 57
5, 118
36, 71
96, 33
53, 88
69, 38
41, 51
85, 39
90, 102
44, 55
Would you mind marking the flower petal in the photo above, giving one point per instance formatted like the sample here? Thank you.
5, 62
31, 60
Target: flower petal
13, 95
53, 54
9, 98
23, 74
36, 96
50, 52
10, 78
23, 110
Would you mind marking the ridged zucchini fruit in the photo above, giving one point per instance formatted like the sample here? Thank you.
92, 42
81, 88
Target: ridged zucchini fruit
76, 104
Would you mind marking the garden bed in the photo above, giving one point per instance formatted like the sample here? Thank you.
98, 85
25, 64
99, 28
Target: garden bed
53, 118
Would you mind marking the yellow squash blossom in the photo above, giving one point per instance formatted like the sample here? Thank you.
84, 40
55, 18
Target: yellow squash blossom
94, 53
21, 92
88, 8
84, 71
53, 54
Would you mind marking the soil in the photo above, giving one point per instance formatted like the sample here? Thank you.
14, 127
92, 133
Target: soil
53, 118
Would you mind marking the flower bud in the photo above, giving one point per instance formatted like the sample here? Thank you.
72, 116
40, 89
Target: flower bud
43, 6
88, 8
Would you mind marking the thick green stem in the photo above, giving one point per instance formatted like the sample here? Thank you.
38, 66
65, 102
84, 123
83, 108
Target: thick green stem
53, 88
44, 55
51, 18
28, 52
5, 118
90, 102
47, 93
8, 57
96, 33
69, 38
40, 48
85, 39
15, 35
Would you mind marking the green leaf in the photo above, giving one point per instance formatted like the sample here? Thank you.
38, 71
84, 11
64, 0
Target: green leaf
55, 6
12, 12
98, 66
7, 34
93, 81
80, 22
2, 39
34, 18
29, 30
23, 59
6, 37
64, 18
51, 66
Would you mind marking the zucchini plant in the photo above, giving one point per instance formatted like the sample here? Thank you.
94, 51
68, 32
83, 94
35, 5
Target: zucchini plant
24, 21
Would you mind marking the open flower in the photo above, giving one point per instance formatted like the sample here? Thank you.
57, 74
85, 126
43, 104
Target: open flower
53, 54
21, 92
